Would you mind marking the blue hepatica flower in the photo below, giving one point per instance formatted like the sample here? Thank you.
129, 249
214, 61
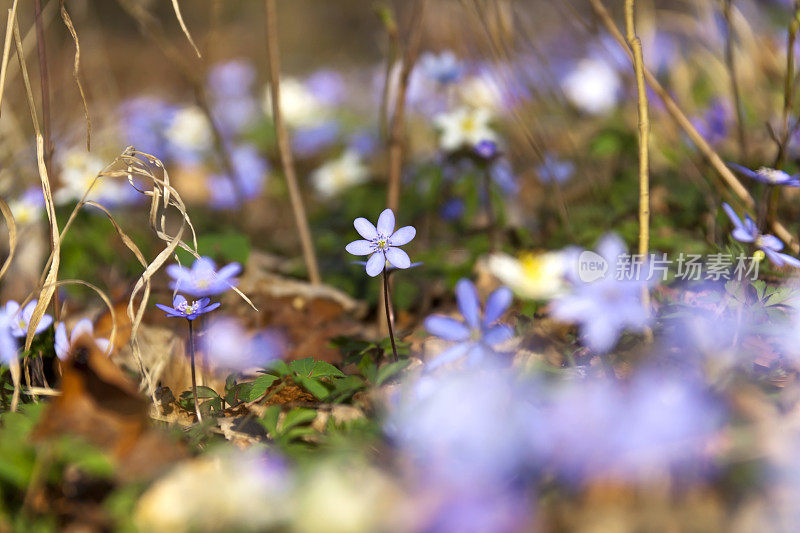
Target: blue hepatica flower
487, 149
607, 306
475, 337
747, 231
767, 175
203, 278
183, 309
444, 68
82, 327
553, 170
382, 243
8, 344
714, 124
21, 318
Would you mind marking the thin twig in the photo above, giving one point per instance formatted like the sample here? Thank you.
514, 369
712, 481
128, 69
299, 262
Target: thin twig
730, 63
644, 141
287, 161
387, 305
194, 379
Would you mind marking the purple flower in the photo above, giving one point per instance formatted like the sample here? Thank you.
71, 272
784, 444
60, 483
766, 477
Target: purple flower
227, 345
327, 86
444, 68
553, 170
770, 176
21, 319
8, 344
231, 79
713, 126
382, 243
487, 149
183, 309
769, 244
82, 327
607, 306
144, 120
474, 337
203, 279
308, 140
249, 168
503, 176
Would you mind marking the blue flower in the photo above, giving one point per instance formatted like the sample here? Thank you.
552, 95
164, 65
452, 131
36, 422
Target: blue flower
183, 309
21, 318
382, 243
475, 337
553, 170
203, 279
8, 344
486, 149
144, 120
605, 307
444, 68
747, 231
231, 79
82, 327
227, 345
770, 176
713, 126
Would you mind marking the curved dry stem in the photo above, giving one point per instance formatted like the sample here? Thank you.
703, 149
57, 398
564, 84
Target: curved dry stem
12, 236
76, 72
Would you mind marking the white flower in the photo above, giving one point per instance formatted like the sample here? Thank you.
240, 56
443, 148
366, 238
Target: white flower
592, 86
79, 169
464, 127
480, 91
28, 207
190, 130
335, 176
299, 106
535, 276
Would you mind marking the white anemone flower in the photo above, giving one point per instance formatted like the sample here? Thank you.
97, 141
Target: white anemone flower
339, 174
592, 86
464, 127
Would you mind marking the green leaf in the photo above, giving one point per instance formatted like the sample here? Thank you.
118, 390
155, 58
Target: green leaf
229, 246
313, 386
260, 386
303, 367
296, 417
323, 369
388, 371
278, 366
202, 392
270, 419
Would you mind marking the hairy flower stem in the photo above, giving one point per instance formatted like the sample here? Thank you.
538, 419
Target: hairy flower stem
730, 63
194, 379
387, 304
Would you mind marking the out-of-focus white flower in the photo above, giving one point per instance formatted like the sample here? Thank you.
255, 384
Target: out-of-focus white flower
299, 106
28, 207
347, 499
592, 86
334, 176
480, 92
189, 130
535, 276
78, 172
229, 491
464, 127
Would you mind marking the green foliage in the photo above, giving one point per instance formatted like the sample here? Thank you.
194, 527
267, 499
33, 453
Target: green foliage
227, 246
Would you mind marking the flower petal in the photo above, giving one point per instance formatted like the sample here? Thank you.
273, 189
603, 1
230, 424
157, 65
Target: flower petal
103, 344
449, 355
735, 220
446, 328
360, 247
496, 305
742, 235
211, 307
376, 264
365, 228
497, 334
746, 171
179, 299
229, 270
167, 309
83, 327
468, 304
386, 223
176, 271
398, 257
403, 236
771, 242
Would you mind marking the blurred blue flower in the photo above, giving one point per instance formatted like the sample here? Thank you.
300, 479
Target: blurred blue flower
381, 243
226, 345
144, 120
605, 307
769, 244
554, 170
250, 168
714, 125
486, 149
363, 142
770, 176
8, 344
327, 86
308, 140
231, 79
21, 318
475, 337
452, 209
203, 278
443, 68
503, 176
183, 309
82, 327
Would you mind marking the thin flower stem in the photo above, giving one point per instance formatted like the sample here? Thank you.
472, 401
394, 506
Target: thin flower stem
284, 148
387, 305
194, 379
492, 220
644, 139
